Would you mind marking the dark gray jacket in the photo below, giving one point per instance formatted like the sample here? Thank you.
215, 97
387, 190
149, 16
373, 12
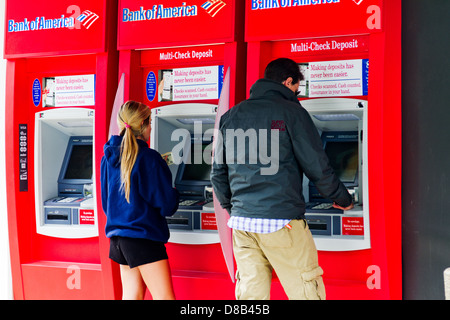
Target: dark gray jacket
260, 175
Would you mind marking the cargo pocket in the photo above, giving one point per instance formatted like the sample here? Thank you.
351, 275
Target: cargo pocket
313, 284
237, 288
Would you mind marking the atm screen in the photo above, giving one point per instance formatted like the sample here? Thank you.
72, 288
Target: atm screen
194, 170
80, 162
343, 156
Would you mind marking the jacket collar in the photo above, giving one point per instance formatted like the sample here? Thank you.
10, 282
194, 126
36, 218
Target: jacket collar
266, 87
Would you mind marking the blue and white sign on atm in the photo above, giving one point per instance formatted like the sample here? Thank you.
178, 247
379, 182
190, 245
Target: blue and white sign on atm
36, 92
150, 86
342, 78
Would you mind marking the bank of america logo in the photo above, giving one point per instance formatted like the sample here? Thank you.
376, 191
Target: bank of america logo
212, 7
87, 18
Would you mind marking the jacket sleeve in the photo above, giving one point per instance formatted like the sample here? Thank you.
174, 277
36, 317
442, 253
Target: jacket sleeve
104, 184
219, 173
313, 160
155, 185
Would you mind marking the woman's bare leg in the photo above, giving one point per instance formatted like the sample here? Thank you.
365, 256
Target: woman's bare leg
133, 286
158, 278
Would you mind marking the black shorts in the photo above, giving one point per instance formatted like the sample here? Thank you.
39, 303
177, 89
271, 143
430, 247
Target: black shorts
135, 252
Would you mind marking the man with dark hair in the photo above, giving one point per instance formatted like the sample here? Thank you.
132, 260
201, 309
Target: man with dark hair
266, 201
280, 70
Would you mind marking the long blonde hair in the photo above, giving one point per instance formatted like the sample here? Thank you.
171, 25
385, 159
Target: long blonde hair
133, 119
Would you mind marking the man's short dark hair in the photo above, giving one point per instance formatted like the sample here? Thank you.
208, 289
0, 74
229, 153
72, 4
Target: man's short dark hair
280, 69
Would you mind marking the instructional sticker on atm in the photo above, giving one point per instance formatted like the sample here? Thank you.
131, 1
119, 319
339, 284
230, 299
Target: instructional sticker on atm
352, 226
335, 78
69, 91
87, 217
197, 83
209, 221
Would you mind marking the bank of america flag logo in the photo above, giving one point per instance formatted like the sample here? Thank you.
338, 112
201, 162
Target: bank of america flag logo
213, 6
87, 18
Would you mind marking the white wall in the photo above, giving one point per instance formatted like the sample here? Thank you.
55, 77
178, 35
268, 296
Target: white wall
5, 266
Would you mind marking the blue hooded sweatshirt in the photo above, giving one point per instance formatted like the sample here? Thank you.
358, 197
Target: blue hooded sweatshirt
152, 197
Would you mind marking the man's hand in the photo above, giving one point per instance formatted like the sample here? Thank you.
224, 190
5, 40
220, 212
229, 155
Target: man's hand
335, 205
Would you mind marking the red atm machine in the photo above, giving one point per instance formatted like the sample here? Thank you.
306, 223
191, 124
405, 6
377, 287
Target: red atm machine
61, 81
178, 69
350, 54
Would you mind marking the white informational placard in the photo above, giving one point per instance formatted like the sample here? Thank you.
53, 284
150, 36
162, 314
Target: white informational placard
184, 84
69, 91
341, 78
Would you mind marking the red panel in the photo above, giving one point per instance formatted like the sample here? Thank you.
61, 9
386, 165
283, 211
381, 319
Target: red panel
185, 55
199, 271
197, 258
65, 250
374, 273
44, 28
13, 70
41, 265
264, 19
202, 286
175, 23
46, 280
356, 44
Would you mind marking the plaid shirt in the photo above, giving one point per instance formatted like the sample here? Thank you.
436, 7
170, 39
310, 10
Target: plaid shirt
257, 225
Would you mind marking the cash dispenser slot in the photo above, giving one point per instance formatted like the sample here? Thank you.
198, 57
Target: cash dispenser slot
58, 216
319, 225
180, 220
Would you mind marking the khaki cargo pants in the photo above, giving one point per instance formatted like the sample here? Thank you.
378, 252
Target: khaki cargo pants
293, 255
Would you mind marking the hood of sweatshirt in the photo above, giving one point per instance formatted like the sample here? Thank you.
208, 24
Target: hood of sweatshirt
112, 151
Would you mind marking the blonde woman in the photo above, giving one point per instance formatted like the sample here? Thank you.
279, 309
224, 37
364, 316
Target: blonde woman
137, 195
